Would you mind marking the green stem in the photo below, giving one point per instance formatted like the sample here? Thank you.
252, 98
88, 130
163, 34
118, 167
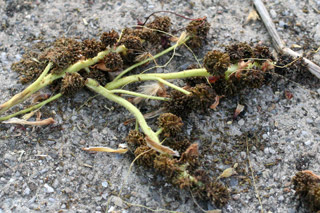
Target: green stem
180, 41
151, 137
93, 85
139, 95
155, 76
32, 107
232, 69
173, 86
45, 80
159, 131
18, 98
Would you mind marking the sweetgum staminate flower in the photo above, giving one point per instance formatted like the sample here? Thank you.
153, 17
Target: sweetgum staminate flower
216, 62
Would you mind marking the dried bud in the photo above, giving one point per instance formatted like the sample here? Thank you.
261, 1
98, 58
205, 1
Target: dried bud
71, 83
263, 52
146, 155
91, 47
135, 139
239, 51
170, 123
109, 38
198, 30
162, 23
216, 62
113, 62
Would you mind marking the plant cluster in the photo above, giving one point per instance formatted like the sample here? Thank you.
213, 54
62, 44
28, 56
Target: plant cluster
184, 171
68, 65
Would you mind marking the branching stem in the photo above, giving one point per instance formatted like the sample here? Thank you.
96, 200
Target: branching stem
156, 76
32, 107
151, 137
45, 79
183, 38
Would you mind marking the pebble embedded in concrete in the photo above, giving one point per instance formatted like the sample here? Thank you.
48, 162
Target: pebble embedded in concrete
49, 189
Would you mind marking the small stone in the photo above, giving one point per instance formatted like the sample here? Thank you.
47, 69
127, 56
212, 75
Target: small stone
309, 121
55, 183
111, 209
266, 150
281, 198
90, 177
307, 143
243, 155
105, 195
241, 122
292, 210
273, 13
264, 136
304, 133
117, 201
26, 191
8, 156
272, 151
48, 188
105, 184
281, 24
236, 197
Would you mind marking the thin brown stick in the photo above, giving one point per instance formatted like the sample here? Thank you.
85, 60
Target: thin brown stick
276, 40
34, 123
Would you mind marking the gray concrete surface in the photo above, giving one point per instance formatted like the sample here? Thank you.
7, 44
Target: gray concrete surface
44, 169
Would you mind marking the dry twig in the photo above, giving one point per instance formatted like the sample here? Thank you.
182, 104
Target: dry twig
277, 42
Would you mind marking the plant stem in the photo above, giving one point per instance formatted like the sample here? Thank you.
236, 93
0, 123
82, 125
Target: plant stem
45, 80
139, 95
155, 76
94, 85
231, 69
173, 86
18, 98
151, 137
183, 38
32, 107
159, 131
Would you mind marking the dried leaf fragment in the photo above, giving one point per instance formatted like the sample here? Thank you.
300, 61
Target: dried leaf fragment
217, 101
34, 123
238, 110
253, 16
105, 149
288, 94
227, 173
160, 148
101, 66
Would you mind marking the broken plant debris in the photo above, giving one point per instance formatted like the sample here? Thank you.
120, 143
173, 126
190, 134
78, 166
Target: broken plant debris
307, 187
198, 30
185, 172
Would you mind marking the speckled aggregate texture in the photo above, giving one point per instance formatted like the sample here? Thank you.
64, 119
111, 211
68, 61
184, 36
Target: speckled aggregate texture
44, 169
